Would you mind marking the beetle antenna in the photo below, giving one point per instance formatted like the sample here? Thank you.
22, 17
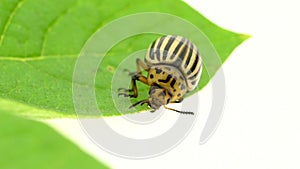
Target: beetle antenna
181, 112
139, 102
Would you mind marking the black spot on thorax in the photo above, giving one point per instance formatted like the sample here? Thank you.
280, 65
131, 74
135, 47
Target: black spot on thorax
158, 71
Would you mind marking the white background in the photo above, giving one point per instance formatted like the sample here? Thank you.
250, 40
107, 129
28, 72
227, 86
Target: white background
261, 120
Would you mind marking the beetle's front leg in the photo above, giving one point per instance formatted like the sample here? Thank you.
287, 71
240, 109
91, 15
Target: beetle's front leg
134, 77
126, 92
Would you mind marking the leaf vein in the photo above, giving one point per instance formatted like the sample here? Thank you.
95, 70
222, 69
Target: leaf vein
57, 77
36, 58
52, 24
9, 20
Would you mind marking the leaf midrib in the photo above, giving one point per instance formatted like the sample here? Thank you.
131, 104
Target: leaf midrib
35, 58
29, 60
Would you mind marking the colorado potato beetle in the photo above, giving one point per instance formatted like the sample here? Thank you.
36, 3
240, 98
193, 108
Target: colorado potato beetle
174, 66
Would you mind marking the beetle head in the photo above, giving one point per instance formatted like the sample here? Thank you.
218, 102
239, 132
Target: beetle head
158, 96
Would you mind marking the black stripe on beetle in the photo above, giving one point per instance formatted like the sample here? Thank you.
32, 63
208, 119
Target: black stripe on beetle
189, 56
196, 61
166, 49
151, 53
177, 48
182, 53
172, 83
158, 48
166, 80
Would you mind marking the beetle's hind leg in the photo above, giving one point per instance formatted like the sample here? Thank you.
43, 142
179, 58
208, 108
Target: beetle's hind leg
130, 73
140, 66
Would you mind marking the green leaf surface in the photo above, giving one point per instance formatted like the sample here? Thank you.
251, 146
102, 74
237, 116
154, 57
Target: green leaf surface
26, 143
41, 40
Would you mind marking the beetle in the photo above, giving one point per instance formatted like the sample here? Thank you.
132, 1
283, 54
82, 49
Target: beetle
174, 67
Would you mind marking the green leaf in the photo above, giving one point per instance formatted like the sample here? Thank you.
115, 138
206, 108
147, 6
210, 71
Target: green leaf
40, 42
26, 143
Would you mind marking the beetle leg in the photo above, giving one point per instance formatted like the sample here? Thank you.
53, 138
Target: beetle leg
140, 64
139, 102
129, 72
134, 77
134, 89
125, 95
125, 90
138, 77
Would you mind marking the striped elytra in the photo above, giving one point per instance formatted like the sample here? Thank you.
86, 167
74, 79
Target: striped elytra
178, 52
174, 68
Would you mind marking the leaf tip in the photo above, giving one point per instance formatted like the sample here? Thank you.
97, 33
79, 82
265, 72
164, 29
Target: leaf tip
245, 36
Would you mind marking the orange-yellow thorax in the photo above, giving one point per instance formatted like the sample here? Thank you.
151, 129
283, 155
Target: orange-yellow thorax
169, 78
